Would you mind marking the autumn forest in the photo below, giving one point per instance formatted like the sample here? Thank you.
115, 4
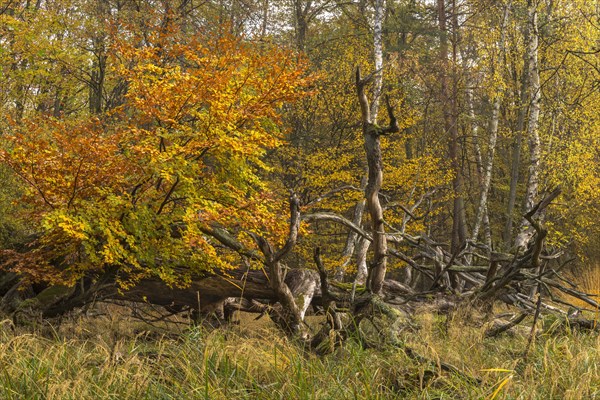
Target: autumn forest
332, 166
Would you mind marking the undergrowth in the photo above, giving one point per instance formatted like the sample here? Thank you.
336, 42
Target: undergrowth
91, 359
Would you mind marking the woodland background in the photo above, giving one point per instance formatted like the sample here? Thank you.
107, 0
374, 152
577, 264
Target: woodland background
148, 150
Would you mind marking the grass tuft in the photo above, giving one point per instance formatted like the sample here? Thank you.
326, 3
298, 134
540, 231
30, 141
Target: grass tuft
107, 359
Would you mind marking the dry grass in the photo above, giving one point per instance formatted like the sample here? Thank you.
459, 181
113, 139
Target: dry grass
108, 357
561, 365
588, 280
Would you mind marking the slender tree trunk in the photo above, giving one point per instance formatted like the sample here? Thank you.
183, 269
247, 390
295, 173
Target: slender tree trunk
265, 18
483, 218
374, 110
526, 230
98, 71
517, 144
352, 238
450, 106
96, 85
377, 57
487, 173
375, 162
514, 172
475, 134
371, 135
362, 270
301, 11
459, 201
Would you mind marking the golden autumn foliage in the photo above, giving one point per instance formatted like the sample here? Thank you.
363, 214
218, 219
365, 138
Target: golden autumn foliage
127, 127
324, 158
130, 190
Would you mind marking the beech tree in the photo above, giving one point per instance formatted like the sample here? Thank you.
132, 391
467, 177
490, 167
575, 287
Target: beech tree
132, 190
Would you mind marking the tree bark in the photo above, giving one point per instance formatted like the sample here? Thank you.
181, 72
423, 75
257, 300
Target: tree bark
526, 230
449, 99
371, 136
374, 160
516, 148
293, 312
487, 172
377, 57
301, 11
362, 271
352, 238
373, 112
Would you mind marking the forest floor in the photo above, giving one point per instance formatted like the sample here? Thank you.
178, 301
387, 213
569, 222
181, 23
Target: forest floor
113, 356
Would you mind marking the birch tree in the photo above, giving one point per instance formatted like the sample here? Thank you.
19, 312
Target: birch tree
493, 127
526, 230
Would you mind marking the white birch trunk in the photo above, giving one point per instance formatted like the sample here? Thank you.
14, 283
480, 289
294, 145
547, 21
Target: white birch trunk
352, 238
487, 170
526, 230
361, 261
378, 57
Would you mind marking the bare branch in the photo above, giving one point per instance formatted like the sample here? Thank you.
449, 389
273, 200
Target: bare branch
294, 227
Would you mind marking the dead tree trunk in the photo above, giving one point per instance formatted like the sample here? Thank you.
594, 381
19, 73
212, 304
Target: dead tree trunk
292, 314
351, 243
371, 135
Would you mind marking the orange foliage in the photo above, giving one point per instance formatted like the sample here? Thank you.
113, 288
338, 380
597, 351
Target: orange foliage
131, 190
